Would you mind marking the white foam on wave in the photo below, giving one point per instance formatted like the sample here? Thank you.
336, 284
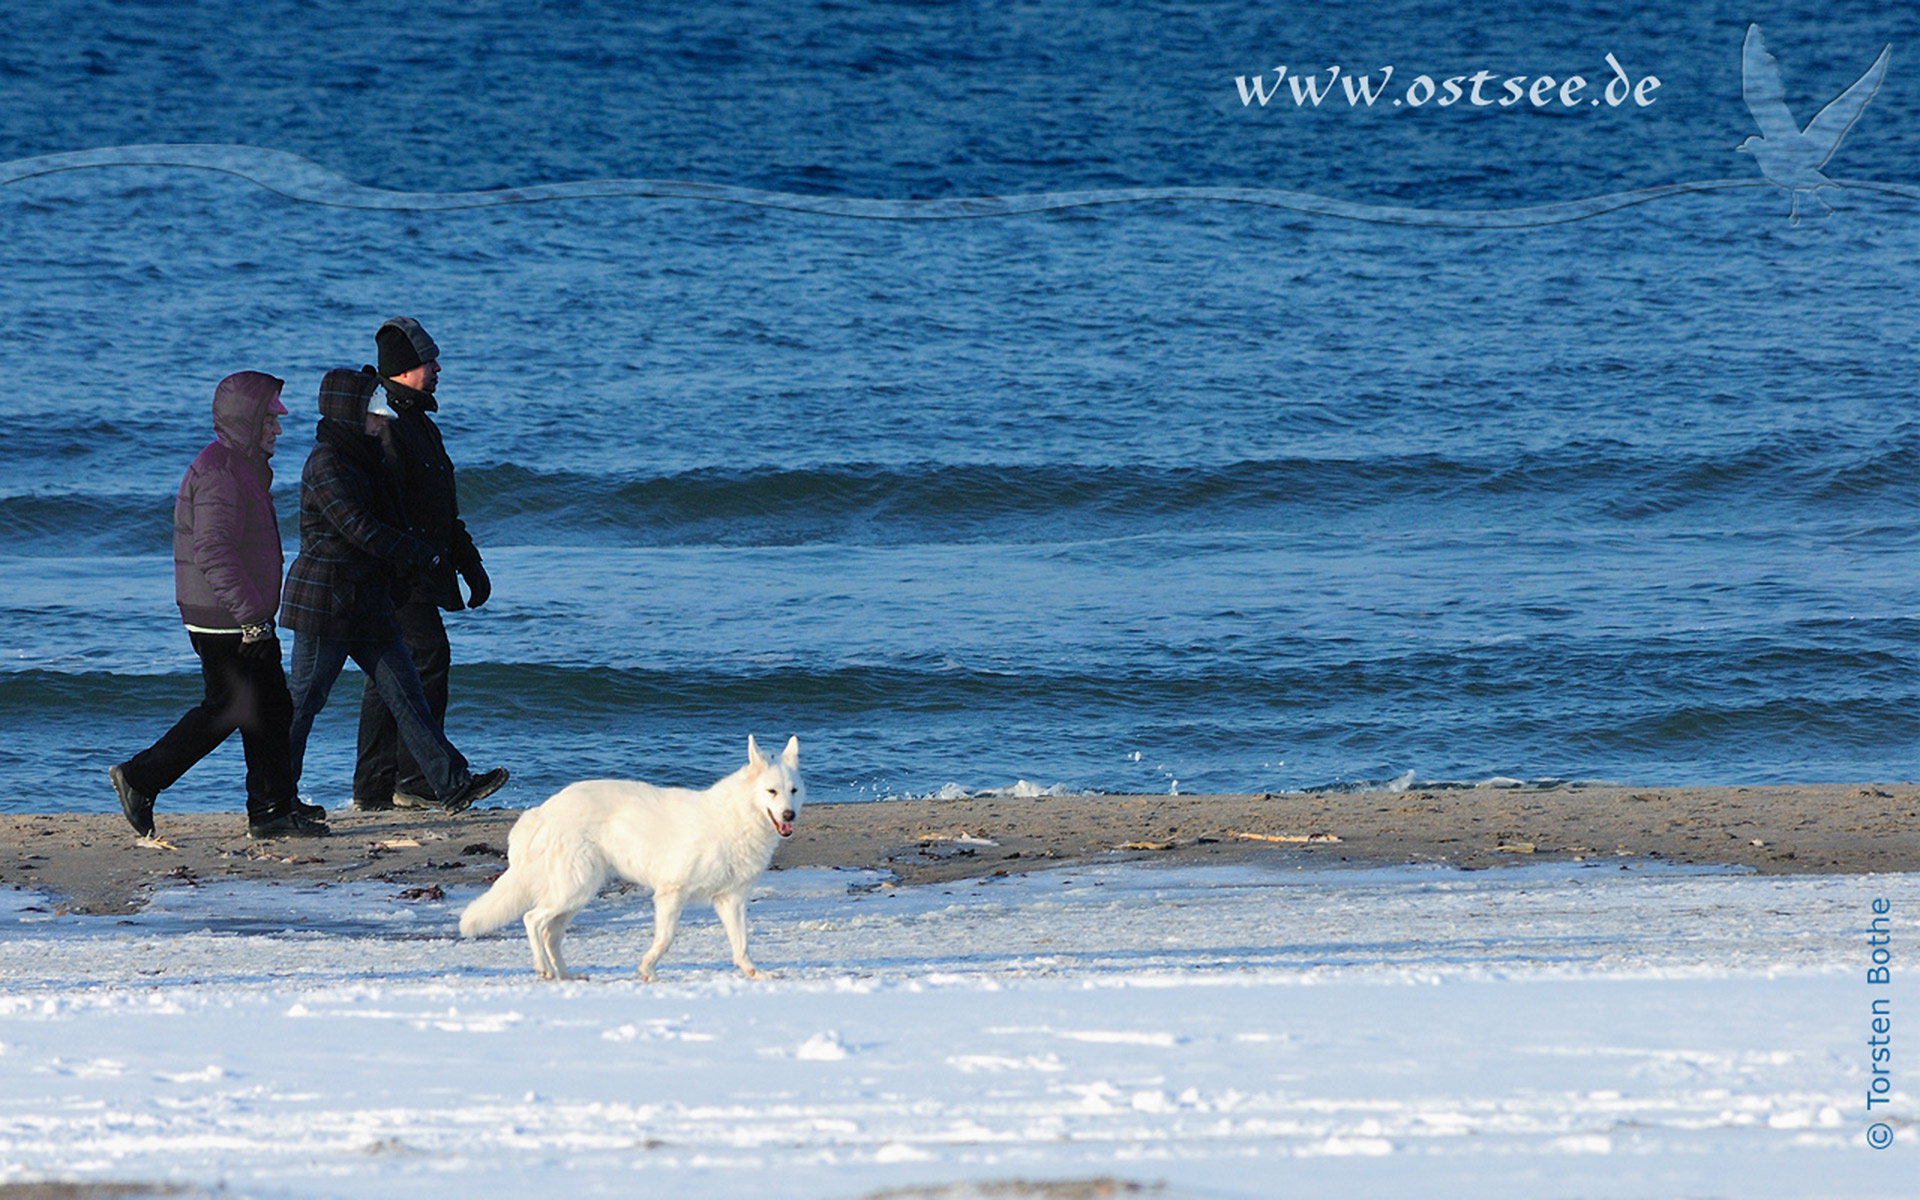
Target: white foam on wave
1020, 789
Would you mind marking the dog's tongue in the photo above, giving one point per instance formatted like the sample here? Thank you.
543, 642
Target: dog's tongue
785, 827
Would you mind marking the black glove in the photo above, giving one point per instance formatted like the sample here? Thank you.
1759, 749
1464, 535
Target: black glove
478, 585
258, 641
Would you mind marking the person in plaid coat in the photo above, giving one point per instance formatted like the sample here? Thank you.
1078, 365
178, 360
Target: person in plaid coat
338, 599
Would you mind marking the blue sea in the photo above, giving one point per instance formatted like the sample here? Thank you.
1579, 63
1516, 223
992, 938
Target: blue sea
1219, 447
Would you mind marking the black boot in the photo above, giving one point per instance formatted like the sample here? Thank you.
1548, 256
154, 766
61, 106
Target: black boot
476, 789
290, 824
136, 804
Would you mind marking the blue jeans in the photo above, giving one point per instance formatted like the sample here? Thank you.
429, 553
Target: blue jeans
317, 663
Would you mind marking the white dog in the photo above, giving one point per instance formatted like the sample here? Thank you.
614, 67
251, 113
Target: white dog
684, 845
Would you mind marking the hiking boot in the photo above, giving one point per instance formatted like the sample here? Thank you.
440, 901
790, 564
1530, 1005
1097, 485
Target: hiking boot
312, 812
366, 804
287, 825
136, 804
476, 789
414, 800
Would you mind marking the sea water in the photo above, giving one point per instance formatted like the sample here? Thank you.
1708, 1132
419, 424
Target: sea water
1168, 491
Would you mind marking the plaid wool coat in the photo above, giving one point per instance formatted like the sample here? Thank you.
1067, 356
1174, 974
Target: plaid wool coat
352, 547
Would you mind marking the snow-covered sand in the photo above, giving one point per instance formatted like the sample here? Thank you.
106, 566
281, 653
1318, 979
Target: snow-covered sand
1595, 1030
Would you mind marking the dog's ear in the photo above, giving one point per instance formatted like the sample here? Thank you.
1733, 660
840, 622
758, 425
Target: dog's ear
754, 757
791, 755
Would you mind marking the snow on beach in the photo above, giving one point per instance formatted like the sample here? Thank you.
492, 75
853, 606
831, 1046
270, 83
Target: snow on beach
1590, 1030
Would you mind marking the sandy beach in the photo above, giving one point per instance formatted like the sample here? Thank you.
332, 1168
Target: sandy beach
91, 863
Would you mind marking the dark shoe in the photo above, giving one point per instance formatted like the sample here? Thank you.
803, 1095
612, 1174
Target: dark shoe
414, 800
364, 804
312, 812
137, 805
290, 825
476, 789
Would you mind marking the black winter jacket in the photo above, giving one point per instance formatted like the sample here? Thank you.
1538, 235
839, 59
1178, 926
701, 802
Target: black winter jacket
417, 458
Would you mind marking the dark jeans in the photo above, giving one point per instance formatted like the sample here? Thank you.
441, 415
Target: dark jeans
248, 694
317, 663
384, 765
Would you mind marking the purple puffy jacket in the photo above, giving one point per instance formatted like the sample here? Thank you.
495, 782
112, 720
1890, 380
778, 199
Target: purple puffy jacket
226, 540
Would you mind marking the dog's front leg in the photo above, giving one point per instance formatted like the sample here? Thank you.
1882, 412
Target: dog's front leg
732, 910
666, 918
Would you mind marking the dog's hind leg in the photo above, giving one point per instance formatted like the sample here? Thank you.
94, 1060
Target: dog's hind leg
555, 930
732, 911
533, 920
666, 918
544, 928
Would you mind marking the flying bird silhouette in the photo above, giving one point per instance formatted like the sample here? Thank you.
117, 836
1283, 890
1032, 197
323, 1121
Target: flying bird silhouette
1791, 157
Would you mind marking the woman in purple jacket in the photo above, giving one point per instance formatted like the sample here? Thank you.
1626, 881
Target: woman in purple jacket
226, 579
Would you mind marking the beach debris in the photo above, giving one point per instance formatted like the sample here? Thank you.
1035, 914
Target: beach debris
397, 844
482, 848
1283, 837
962, 838
1146, 845
430, 892
155, 842
1514, 848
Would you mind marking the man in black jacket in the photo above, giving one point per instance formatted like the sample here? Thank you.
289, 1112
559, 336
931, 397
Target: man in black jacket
385, 773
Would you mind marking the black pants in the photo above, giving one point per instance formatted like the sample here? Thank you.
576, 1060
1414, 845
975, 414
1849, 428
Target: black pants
383, 764
248, 694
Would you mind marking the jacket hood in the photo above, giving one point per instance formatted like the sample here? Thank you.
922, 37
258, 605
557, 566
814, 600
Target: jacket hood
344, 394
241, 404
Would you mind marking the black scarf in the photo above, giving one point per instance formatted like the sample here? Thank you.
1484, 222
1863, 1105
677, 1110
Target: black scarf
406, 399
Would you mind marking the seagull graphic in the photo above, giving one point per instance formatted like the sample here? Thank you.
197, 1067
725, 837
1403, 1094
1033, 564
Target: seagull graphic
1791, 157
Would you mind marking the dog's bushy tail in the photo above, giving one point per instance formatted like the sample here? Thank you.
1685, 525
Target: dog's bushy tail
512, 894
506, 899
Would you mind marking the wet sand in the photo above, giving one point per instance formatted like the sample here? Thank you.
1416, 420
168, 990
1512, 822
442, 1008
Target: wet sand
92, 863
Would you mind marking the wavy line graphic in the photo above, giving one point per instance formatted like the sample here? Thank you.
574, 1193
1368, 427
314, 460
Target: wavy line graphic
303, 180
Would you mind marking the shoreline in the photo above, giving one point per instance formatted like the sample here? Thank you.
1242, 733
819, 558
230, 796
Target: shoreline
91, 863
